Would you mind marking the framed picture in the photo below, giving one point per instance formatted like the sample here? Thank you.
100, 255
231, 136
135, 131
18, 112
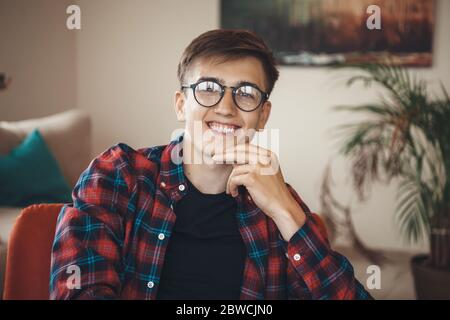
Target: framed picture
327, 32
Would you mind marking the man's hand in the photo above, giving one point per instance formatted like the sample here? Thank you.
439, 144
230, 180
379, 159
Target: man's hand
258, 170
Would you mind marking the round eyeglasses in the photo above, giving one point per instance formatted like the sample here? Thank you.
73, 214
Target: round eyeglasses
246, 96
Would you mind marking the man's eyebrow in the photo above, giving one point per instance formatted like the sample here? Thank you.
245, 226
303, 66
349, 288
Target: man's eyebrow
221, 81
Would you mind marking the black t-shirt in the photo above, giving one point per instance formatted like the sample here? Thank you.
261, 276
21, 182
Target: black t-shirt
205, 256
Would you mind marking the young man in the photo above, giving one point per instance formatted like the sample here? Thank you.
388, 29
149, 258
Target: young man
156, 223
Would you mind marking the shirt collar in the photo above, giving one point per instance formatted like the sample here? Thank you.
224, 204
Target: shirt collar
171, 178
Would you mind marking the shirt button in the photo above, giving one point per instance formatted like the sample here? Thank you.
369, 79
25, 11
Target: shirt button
249, 198
181, 187
297, 257
150, 284
161, 236
287, 255
163, 184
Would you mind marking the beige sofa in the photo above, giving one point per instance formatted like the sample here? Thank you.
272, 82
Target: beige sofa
68, 135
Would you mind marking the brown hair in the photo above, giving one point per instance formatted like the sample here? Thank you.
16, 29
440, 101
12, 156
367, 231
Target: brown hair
229, 44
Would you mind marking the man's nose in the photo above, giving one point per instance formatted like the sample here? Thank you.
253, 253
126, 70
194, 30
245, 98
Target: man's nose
226, 106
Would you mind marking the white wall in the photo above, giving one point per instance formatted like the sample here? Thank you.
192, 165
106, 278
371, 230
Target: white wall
307, 95
128, 54
122, 69
38, 51
127, 57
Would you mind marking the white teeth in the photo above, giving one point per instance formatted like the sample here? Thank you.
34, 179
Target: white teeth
221, 128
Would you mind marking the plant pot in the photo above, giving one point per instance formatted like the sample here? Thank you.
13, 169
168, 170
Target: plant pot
430, 283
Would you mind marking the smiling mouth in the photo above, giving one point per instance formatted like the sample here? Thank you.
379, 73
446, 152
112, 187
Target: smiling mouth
222, 128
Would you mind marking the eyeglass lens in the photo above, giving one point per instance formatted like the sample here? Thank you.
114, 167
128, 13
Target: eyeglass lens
209, 93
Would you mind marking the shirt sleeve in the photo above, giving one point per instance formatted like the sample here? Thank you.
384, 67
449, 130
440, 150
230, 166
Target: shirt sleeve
87, 249
315, 271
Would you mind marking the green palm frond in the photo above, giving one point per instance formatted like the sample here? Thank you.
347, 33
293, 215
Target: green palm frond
411, 210
358, 134
406, 135
405, 90
375, 109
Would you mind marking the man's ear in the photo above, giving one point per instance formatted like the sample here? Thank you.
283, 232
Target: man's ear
264, 115
179, 100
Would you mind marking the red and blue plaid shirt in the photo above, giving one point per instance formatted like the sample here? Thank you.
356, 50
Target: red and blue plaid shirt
117, 229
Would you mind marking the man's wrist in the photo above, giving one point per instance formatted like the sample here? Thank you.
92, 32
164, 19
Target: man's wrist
290, 220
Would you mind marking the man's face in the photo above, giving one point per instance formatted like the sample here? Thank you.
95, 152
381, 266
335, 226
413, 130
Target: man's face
225, 120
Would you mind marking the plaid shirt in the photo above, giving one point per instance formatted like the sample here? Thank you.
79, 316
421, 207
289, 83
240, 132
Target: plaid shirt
117, 230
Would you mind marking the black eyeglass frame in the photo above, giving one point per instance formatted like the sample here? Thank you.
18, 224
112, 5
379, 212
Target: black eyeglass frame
264, 95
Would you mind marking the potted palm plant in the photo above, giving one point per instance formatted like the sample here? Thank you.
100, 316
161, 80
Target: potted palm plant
406, 136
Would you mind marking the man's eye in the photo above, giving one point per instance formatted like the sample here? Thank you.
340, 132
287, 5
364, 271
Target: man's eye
246, 92
208, 86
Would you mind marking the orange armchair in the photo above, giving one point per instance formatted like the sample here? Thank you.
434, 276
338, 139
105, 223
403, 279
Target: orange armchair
29, 251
